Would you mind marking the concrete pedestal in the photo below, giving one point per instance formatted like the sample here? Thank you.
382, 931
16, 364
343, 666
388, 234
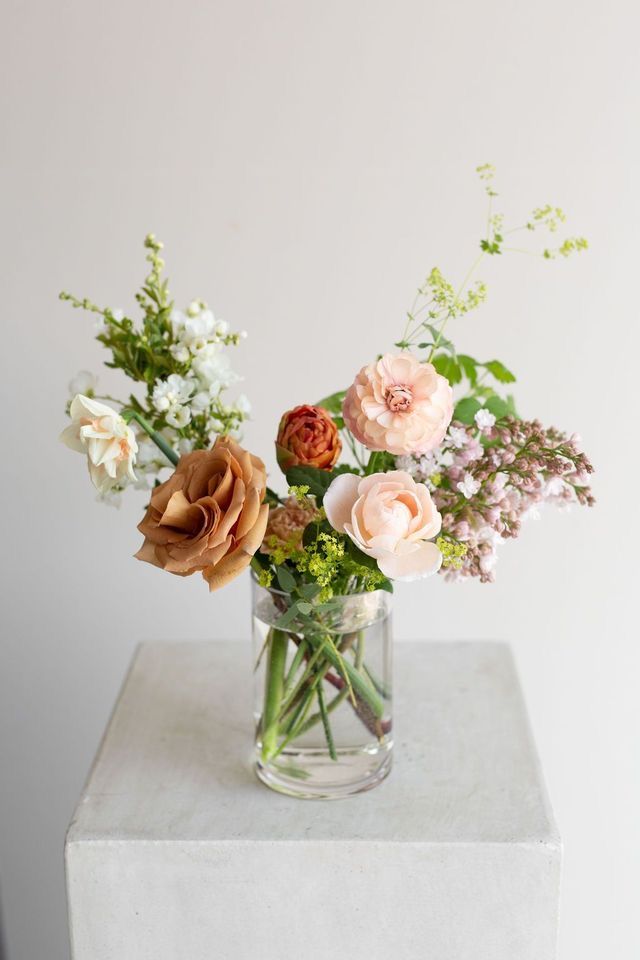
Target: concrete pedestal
176, 852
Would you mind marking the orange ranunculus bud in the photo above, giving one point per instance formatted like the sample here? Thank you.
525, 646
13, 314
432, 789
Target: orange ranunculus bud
307, 436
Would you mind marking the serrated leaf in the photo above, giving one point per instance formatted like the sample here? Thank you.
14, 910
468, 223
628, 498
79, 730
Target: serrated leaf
442, 342
317, 480
499, 371
498, 407
469, 368
333, 403
466, 409
448, 367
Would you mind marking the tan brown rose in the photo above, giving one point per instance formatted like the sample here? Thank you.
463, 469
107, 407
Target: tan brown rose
209, 516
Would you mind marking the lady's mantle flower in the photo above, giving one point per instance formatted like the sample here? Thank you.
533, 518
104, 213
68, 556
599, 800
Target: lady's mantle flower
103, 435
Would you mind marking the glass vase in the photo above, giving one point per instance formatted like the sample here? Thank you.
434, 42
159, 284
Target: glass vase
322, 700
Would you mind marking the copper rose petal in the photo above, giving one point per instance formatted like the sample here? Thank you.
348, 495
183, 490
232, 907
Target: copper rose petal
207, 515
234, 563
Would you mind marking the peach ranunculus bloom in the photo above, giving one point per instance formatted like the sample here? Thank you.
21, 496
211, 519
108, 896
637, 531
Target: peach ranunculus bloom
389, 517
99, 431
400, 405
209, 516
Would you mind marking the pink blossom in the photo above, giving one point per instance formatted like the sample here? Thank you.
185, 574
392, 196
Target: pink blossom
400, 405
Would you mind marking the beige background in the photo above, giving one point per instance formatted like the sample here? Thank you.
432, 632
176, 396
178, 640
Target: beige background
306, 163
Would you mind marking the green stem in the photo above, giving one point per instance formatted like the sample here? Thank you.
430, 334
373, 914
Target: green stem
274, 685
352, 677
157, 438
293, 669
325, 723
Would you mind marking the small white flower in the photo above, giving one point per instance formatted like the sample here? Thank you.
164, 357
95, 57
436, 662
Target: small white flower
178, 416
108, 442
445, 459
200, 326
468, 487
179, 352
408, 465
222, 327
177, 319
243, 334
84, 382
484, 419
174, 390
194, 308
243, 405
117, 314
214, 369
215, 426
488, 561
201, 401
458, 437
185, 445
553, 487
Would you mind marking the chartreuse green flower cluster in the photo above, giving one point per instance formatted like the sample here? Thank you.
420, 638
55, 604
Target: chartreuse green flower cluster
453, 552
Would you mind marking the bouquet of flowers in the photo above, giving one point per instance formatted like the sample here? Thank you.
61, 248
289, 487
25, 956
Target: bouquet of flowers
422, 465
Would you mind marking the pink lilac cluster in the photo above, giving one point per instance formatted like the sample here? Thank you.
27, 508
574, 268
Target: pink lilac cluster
487, 477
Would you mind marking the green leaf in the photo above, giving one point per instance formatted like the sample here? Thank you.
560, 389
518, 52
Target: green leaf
498, 407
379, 462
448, 367
466, 409
499, 371
286, 617
441, 341
317, 480
285, 579
363, 559
469, 368
271, 497
304, 607
333, 403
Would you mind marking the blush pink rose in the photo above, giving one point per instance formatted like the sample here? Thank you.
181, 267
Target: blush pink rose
389, 517
400, 405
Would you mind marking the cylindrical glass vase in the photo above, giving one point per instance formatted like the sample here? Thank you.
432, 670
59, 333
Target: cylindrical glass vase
323, 694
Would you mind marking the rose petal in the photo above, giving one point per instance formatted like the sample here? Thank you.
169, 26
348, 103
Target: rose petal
340, 498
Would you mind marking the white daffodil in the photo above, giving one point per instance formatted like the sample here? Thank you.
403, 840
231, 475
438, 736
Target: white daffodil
108, 442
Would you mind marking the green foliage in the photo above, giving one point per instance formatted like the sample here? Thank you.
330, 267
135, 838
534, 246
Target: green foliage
499, 371
316, 480
466, 409
333, 403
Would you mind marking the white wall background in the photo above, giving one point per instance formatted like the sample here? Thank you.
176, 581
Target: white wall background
305, 164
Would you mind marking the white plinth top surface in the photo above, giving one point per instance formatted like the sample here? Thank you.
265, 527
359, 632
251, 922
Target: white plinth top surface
175, 761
